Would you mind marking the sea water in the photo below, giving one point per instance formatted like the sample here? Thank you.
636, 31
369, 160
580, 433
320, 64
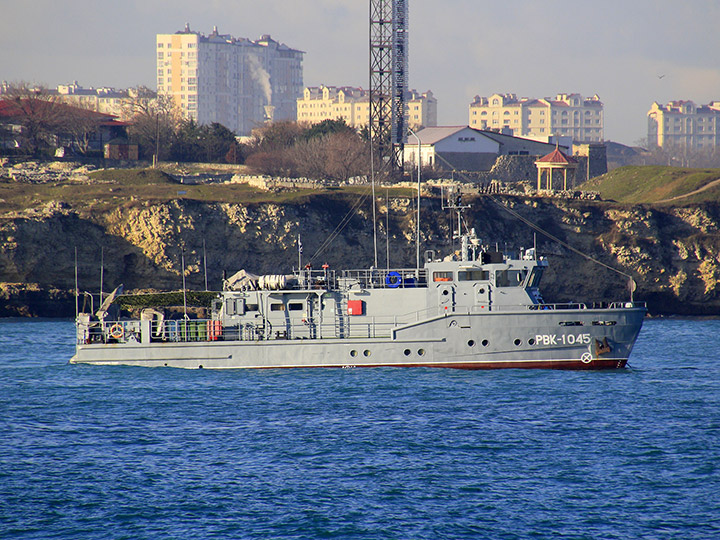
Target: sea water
91, 452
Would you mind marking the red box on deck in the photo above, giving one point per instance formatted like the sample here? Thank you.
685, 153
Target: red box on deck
355, 307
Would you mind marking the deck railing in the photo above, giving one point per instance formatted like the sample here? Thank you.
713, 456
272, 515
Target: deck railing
338, 327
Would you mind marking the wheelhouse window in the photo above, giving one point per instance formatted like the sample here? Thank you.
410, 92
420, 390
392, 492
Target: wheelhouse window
442, 276
535, 276
277, 307
295, 306
473, 275
509, 278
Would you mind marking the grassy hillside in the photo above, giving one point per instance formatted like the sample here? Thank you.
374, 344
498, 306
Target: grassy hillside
113, 187
132, 177
654, 184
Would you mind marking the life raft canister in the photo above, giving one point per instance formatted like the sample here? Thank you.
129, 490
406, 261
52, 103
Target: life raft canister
214, 330
393, 279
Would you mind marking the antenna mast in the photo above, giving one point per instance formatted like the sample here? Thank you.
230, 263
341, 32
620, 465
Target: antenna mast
454, 202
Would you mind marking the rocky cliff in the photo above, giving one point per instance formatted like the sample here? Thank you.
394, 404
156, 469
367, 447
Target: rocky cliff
672, 252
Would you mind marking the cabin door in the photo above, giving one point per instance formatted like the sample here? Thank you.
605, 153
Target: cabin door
446, 298
311, 311
482, 295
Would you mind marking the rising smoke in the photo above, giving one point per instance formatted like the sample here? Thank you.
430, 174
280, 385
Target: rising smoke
261, 76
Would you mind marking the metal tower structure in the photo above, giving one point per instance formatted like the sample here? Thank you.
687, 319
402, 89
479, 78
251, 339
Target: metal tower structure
388, 79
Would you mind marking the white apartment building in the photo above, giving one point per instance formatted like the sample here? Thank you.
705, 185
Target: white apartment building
566, 115
232, 81
103, 100
353, 105
684, 124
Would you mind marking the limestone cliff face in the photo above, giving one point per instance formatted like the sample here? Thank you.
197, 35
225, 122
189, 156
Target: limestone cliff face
673, 253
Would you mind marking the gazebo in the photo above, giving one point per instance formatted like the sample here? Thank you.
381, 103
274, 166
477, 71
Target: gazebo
555, 160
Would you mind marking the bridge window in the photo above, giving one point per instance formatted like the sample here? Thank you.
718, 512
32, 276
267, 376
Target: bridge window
442, 276
535, 276
295, 306
473, 275
509, 278
277, 307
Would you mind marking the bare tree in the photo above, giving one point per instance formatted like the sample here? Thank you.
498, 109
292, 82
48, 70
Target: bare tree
285, 150
309, 157
155, 120
37, 111
81, 124
347, 156
277, 163
276, 136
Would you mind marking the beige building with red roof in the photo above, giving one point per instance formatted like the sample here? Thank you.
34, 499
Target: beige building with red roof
352, 105
684, 124
566, 115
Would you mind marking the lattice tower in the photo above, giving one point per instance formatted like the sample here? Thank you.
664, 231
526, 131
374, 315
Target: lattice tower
388, 79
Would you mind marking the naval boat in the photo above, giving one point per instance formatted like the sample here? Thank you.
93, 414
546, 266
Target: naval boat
478, 308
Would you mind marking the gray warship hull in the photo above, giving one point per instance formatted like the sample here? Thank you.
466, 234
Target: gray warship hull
550, 337
474, 309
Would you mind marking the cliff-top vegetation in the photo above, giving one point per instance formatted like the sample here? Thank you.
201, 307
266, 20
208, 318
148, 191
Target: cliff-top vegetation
108, 188
657, 184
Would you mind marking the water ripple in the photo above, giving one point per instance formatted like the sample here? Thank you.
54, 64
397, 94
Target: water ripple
118, 452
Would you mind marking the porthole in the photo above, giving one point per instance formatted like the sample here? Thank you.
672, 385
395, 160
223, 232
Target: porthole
485, 343
446, 292
481, 290
353, 353
531, 341
517, 342
471, 343
366, 353
421, 352
407, 352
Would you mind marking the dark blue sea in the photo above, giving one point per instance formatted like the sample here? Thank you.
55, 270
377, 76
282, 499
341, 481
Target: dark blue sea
136, 453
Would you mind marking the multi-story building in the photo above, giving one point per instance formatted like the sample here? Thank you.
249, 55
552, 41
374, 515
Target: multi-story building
684, 124
567, 115
353, 105
103, 100
233, 81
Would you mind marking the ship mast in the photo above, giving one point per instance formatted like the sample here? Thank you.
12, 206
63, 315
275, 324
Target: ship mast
454, 203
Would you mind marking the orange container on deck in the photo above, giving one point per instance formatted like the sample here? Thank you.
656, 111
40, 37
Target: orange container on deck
355, 307
214, 330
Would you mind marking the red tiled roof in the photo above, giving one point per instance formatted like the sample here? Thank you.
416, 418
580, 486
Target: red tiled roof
556, 156
9, 108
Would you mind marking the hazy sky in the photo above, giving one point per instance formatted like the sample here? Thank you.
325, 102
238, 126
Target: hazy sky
458, 48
